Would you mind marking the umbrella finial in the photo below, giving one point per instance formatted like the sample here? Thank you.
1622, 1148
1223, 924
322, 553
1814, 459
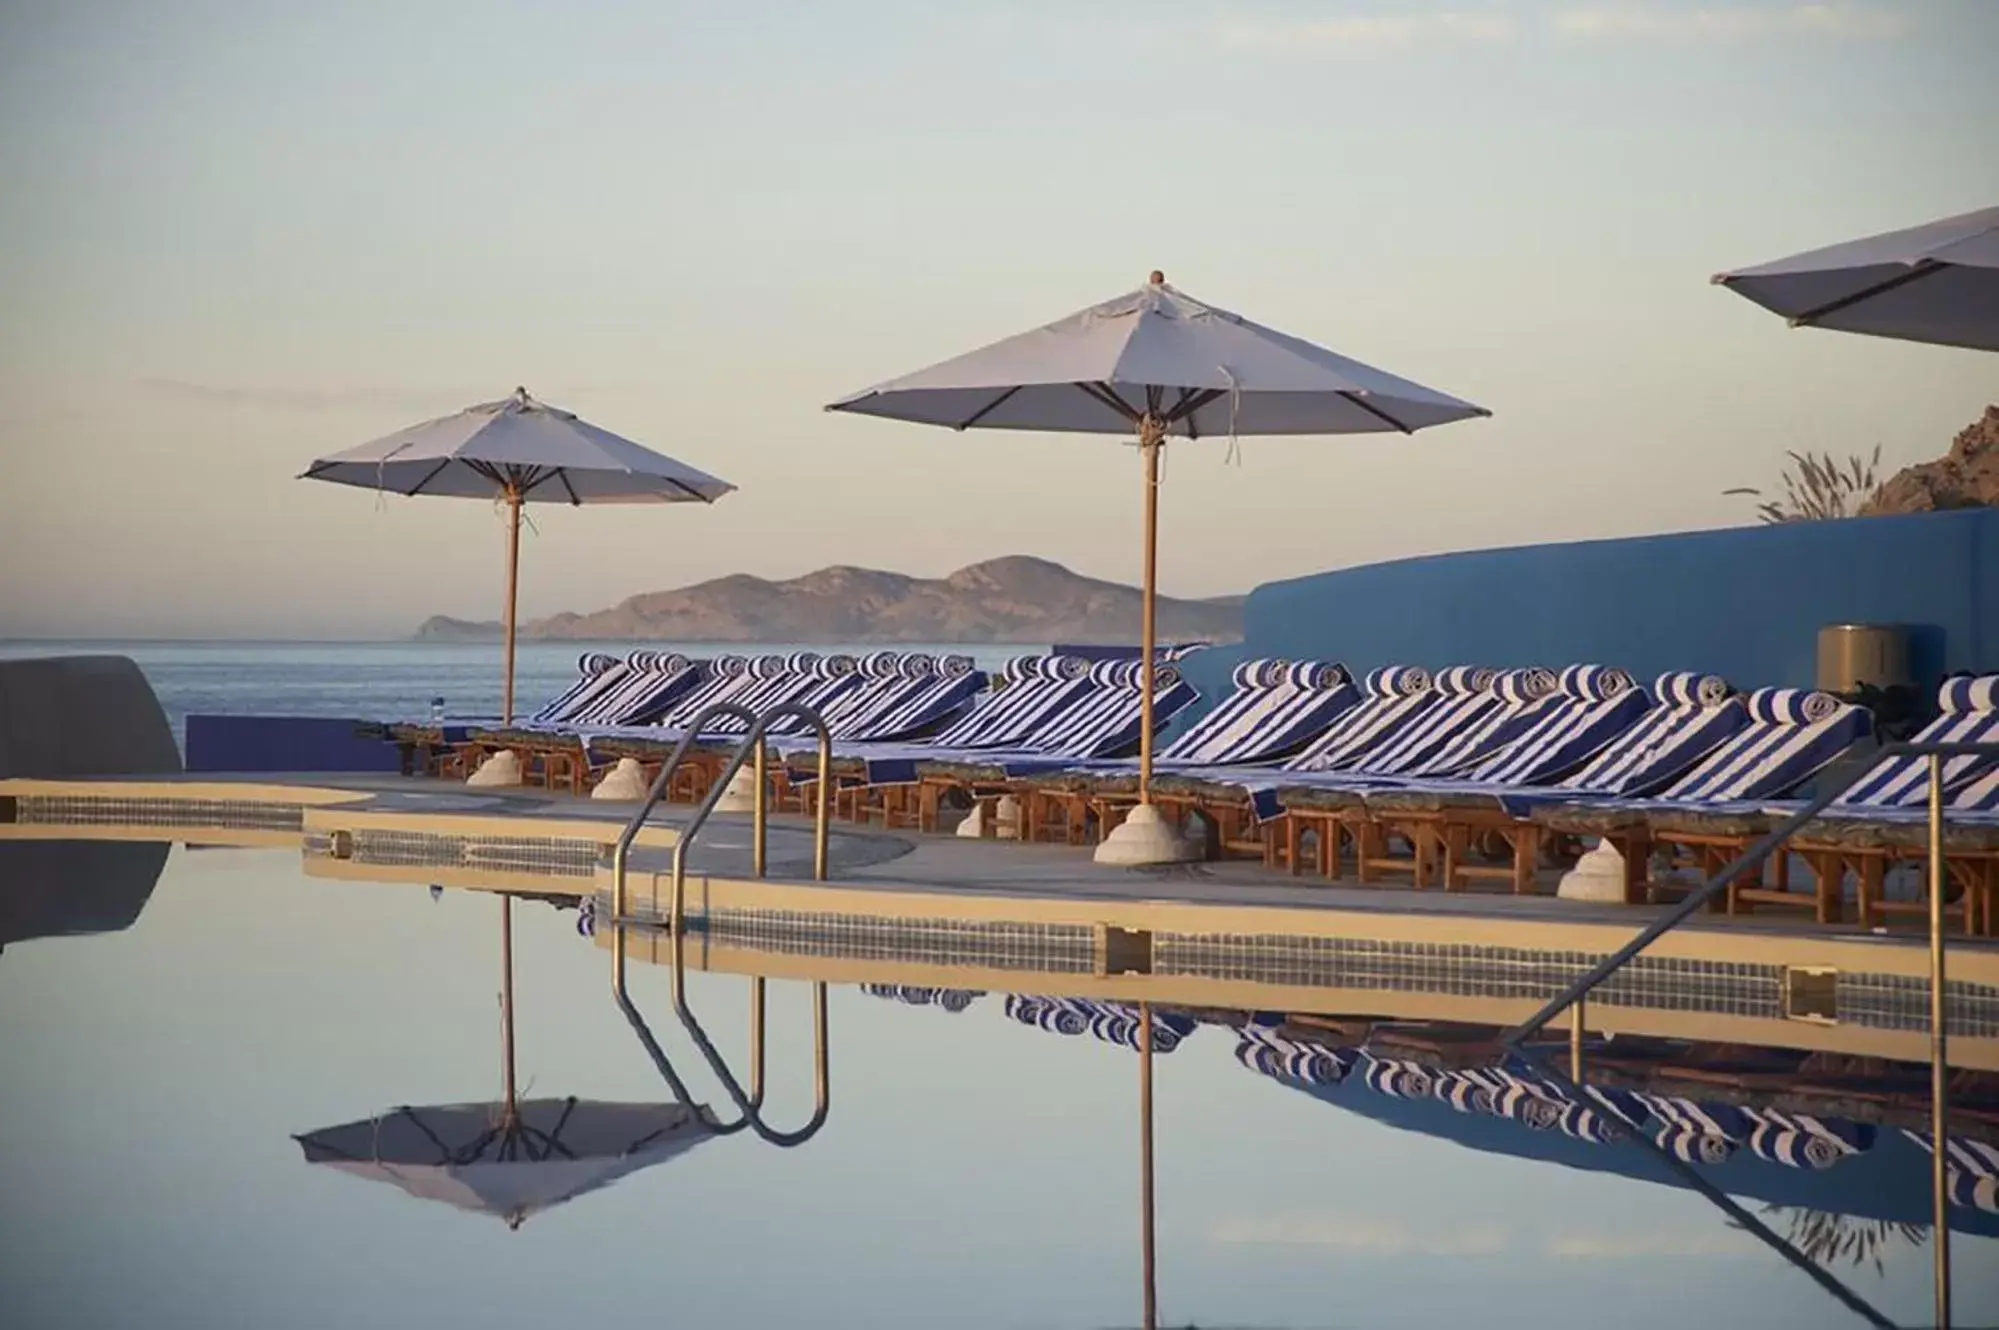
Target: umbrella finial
521, 396
1158, 278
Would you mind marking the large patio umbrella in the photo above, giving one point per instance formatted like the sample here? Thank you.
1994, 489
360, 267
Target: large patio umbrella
1157, 363
1938, 283
517, 451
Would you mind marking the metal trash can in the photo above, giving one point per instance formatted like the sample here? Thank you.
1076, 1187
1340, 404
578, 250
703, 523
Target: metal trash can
1853, 656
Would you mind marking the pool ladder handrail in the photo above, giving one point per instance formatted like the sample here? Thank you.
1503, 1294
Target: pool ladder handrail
1752, 858
750, 1103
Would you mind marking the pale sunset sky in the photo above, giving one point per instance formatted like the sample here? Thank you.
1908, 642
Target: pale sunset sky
241, 235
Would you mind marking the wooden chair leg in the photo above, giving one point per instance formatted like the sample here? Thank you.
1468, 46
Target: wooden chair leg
1636, 850
1526, 841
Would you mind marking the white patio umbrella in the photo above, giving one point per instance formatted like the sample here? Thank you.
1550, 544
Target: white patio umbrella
517, 451
1157, 363
509, 1161
1938, 283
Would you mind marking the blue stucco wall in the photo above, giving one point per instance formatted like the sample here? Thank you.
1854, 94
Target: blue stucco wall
1745, 603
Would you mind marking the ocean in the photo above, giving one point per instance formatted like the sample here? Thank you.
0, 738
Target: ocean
385, 680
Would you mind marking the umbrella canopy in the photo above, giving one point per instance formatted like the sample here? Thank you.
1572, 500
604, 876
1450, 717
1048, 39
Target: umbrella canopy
1158, 363
517, 451
1197, 369
481, 1158
522, 447
1934, 283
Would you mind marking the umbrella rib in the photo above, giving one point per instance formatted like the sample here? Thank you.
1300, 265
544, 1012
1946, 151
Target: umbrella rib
987, 409
1925, 268
1101, 392
443, 1150
434, 472
1375, 411
562, 474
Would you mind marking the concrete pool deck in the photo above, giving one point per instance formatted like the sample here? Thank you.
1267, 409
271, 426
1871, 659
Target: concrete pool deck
905, 907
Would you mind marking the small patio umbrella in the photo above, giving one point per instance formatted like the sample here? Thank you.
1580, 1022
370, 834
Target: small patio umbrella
1934, 283
510, 1161
1156, 363
517, 451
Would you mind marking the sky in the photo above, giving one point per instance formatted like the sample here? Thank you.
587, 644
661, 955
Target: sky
238, 236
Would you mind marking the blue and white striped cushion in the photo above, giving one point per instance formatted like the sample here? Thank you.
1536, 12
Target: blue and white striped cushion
1526, 698
609, 705
1261, 722
1792, 734
1969, 710
1288, 1059
663, 689
1971, 1170
933, 701
1465, 694
1727, 1121
1565, 736
1101, 725
592, 667
1661, 747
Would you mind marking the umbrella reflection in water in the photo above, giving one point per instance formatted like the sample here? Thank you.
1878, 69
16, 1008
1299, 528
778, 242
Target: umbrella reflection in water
512, 1157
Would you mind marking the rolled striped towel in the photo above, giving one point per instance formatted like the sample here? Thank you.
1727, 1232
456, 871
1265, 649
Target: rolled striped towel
594, 662
1529, 1107
1064, 1020
1465, 679
1402, 1080
1792, 706
1322, 675
836, 666
1463, 1093
1522, 686
1019, 668
881, 664
1968, 693
1586, 1124
673, 662
1066, 667
1114, 673
955, 667
917, 665
1798, 1149
1694, 1146
1264, 672
1595, 683
640, 659
1259, 1056
1397, 681
1680, 688
801, 662
732, 667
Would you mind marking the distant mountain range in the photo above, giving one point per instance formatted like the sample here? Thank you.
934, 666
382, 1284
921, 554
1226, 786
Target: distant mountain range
1015, 599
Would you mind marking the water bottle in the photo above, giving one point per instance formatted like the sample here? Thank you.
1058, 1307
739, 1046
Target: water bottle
437, 711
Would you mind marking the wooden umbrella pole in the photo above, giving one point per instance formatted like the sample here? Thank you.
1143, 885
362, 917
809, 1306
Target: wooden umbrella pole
507, 1004
1148, 1257
513, 585
1151, 437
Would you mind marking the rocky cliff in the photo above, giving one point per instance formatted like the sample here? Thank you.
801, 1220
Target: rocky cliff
1013, 599
1965, 477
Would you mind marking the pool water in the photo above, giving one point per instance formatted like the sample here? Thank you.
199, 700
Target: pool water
975, 1170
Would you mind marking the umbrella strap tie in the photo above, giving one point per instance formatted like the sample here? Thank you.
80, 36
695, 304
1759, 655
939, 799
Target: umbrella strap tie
1234, 453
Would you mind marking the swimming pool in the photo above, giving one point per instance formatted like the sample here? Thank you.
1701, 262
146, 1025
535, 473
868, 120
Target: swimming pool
975, 1169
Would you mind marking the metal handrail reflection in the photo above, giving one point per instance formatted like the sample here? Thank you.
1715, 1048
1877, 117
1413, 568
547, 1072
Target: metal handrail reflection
749, 1103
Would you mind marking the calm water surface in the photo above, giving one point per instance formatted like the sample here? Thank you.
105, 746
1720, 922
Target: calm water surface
380, 680
974, 1172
